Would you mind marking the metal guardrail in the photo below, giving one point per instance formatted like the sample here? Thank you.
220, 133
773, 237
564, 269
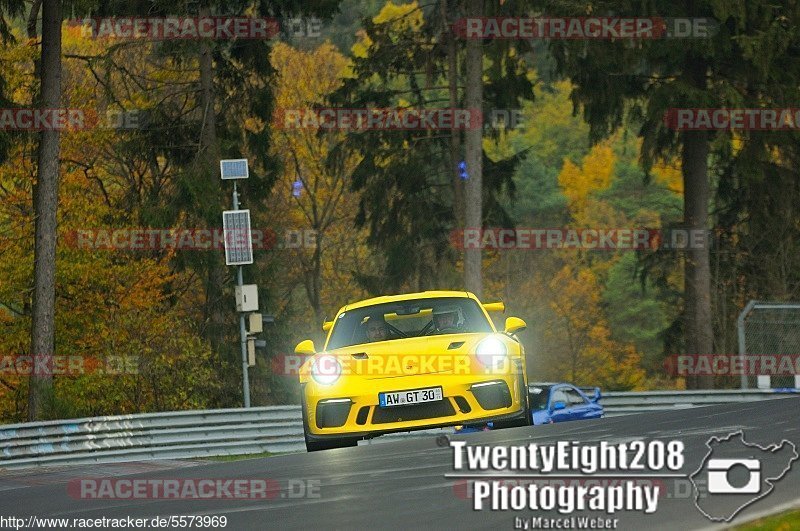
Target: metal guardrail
219, 432
628, 402
170, 435
152, 436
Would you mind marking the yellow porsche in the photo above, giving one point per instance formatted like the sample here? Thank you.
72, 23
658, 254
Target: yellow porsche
410, 362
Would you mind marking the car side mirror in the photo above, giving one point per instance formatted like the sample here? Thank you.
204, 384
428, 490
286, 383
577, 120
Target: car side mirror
514, 325
305, 348
327, 325
596, 397
559, 405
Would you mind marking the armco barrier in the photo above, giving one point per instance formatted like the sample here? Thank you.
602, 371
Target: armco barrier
218, 432
625, 403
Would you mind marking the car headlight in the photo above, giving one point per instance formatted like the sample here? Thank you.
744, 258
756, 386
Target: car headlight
492, 352
326, 369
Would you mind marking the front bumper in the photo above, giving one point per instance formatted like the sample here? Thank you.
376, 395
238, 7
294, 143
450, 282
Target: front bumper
352, 409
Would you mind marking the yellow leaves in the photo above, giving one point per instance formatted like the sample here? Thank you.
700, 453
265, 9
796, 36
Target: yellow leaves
737, 142
580, 184
594, 175
669, 175
569, 179
361, 46
325, 207
254, 124
401, 16
598, 167
305, 78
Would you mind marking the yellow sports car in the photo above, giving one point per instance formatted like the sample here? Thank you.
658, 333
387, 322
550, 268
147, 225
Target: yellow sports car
410, 362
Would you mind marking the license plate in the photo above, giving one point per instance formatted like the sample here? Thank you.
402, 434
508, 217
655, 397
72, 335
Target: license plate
415, 396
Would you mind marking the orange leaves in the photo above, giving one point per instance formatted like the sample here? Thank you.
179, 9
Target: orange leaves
581, 330
109, 304
594, 357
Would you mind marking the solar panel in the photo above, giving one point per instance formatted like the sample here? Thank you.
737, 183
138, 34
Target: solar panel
238, 238
234, 169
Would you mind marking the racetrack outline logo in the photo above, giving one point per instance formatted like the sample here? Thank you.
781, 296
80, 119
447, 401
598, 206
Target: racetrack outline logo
753, 465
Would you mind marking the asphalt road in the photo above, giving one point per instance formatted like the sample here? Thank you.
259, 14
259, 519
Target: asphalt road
402, 484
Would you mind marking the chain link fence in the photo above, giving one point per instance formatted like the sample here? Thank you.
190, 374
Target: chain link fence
770, 329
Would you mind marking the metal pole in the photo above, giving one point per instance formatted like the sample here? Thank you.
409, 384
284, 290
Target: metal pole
243, 337
742, 346
242, 330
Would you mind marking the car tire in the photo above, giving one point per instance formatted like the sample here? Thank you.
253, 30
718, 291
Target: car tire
327, 444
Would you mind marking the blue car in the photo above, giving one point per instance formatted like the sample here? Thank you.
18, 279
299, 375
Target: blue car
561, 402
556, 402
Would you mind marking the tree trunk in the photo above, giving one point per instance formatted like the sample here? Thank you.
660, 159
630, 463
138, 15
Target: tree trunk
209, 159
473, 205
45, 201
698, 332
698, 326
455, 134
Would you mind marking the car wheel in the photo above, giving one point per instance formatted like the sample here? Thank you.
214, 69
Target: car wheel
327, 444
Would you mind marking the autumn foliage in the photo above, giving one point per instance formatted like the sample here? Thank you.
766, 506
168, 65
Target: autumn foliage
374, 213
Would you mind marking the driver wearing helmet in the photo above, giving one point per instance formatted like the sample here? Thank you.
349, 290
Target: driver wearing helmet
377, 329
448, 319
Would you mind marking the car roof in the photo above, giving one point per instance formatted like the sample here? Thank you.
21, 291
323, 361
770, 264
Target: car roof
407, 297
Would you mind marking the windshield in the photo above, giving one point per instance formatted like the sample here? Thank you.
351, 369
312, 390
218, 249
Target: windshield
404, 319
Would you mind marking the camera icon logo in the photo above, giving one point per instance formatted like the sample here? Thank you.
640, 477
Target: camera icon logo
735, 474
718, 482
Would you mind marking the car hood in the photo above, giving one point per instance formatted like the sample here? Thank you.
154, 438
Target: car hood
443, 354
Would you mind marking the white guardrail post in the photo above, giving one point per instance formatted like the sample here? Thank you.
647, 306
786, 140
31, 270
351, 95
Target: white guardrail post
274, 429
